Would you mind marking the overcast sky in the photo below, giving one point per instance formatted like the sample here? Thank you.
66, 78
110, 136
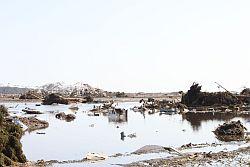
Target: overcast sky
129, 45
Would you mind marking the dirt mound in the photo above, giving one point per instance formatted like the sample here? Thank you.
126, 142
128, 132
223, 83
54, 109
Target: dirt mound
54, 98
195, 98
232, 131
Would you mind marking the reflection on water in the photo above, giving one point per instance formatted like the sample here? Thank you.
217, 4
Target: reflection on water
73, 140
196, 119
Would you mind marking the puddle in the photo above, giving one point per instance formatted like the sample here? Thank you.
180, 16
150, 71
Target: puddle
73, 140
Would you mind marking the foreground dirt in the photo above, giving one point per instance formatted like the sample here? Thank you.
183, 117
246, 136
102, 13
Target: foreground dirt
240, 157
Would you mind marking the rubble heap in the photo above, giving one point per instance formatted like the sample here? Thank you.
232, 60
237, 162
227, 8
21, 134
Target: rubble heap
231, 131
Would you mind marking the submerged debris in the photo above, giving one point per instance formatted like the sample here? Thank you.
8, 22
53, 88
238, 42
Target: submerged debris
232, 131
54, 98
74, 107
66, 117
31, 111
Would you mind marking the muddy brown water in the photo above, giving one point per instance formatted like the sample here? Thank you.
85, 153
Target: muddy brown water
73, 140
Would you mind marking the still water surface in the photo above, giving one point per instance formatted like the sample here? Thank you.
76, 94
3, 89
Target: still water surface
73, 140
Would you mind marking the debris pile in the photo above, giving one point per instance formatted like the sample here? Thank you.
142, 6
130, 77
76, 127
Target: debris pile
153, 104
66, 117
30, 95
232, 131
195, 98
54, 98
107, 106
245, 91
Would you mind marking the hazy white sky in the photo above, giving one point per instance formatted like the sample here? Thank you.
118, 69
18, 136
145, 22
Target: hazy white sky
129, 45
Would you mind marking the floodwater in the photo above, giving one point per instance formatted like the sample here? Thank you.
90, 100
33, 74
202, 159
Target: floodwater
73, 140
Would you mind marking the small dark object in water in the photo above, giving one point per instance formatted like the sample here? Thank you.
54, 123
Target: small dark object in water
40, 133
96, 114
122, 135
232, 131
